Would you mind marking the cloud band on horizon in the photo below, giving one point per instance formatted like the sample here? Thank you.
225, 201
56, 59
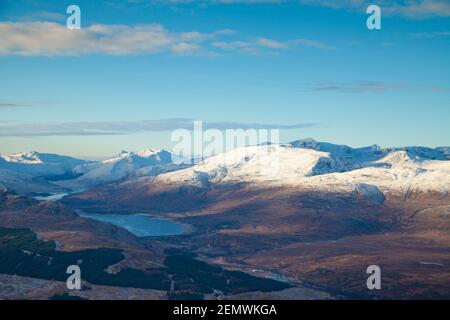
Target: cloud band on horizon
370, 87
92, 128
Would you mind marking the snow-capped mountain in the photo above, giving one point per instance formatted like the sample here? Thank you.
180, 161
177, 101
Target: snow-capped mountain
25, 183
352, 158
31, 172
300, 165
39, 164
303, 164
301, 159
34, 172
146, 162
280, 174
253, 164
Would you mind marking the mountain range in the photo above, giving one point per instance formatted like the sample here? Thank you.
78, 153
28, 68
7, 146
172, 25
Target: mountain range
52, 173
300, 166
314, 213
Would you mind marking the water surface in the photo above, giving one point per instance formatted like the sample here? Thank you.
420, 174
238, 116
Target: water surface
140, 225
52, 197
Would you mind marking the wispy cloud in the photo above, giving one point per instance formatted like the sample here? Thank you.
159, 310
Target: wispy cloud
125, 127
406, 8
435, 34
48, 38
45, 16
17, 104
369, 87
312, 44
420, 8
264, 45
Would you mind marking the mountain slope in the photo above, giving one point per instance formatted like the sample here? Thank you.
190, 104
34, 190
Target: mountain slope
24, 183
147, 162
252, 165
39, 164
349, 158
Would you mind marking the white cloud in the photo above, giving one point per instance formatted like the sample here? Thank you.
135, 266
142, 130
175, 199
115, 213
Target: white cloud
269, 43
48, 38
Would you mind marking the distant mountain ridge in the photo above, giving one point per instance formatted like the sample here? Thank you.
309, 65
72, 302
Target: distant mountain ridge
301, 159
351, 158
33, 172
37, 164
371, 173
144, 162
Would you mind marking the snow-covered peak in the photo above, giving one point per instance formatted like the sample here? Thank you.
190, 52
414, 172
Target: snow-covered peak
349, 158
145, 162
259, 159
308, 143
397, 159
424, 153
119, 157
32, 157
149, 152
254, 164
39, 164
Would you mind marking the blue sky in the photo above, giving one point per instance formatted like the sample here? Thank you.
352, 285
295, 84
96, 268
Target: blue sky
279, 63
